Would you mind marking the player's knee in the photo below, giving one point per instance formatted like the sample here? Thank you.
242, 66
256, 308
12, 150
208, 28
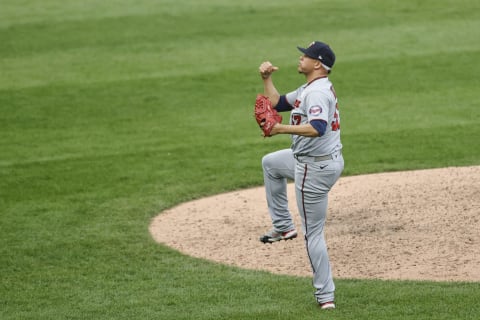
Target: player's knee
267, 161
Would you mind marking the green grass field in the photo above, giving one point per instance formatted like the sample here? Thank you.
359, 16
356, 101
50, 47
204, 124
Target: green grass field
112, 111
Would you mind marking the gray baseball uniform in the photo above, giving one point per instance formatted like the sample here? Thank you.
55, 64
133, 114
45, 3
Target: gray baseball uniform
315, 164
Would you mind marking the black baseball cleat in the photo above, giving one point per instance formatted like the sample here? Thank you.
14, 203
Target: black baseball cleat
274, 236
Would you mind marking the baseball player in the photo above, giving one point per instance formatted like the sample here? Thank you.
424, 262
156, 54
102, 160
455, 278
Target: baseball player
314, 160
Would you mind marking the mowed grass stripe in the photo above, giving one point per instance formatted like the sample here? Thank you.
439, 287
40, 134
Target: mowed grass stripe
135, 47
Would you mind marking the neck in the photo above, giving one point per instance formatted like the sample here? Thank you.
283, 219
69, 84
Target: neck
315, 75
311, 79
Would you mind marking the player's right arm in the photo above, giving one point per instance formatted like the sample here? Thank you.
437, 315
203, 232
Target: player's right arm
266, 69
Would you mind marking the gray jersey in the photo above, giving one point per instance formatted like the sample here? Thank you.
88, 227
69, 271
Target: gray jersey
315, 100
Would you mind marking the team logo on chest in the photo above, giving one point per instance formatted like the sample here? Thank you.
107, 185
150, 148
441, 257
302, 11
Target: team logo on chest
315, 110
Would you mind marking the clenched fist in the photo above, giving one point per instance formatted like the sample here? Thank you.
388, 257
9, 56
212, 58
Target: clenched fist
266, 69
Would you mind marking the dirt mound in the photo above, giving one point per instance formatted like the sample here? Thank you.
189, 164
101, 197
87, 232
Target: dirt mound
403, 225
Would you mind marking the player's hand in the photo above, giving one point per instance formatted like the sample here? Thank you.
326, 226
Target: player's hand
266, 69
274, 130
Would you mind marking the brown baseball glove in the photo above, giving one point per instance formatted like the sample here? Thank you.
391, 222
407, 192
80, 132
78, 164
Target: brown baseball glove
266, 115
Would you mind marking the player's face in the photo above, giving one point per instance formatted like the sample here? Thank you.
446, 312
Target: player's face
306, 64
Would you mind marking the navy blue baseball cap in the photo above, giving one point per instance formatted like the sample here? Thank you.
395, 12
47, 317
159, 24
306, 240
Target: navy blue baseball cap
320, 51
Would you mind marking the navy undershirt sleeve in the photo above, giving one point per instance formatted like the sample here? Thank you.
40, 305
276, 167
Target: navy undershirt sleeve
320, 126
283, 105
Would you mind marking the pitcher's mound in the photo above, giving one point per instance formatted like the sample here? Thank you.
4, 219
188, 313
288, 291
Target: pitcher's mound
418, 225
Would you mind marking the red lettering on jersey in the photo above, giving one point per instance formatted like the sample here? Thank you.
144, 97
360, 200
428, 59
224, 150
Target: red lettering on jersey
296, 120
296, 104
335, 122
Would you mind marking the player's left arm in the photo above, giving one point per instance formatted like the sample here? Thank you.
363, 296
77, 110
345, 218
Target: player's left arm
306, 130
316, 125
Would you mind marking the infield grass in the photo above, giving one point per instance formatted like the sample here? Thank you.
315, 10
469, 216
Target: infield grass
113, 111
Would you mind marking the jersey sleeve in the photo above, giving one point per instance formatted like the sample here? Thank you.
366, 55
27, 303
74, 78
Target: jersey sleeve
317, 107
283, 105
291, 97
320, 126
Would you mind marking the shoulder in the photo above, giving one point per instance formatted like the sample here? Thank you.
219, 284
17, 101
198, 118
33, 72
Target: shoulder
319, 91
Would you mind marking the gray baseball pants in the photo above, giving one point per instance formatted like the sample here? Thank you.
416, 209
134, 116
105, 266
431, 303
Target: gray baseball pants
313, 180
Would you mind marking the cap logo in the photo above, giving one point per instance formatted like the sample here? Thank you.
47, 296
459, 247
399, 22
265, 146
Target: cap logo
320, 57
